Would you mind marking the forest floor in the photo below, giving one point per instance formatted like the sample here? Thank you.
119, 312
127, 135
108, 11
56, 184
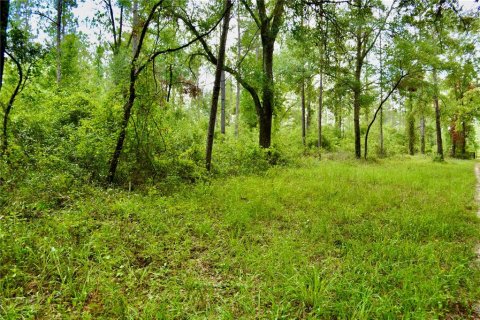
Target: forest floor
348, 240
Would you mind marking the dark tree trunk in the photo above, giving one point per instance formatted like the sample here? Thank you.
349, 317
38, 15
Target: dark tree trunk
4, 8
268, 94
10, 105
304, 120
422, 134
356, 120
438, 123
127, 111
464, 139
170, 82
216, 85
382, 151
411, 127
357, 90
265, 123
224, 98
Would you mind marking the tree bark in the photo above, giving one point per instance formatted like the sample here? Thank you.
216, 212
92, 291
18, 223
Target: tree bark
438, 123
382, 150
304, 122
170, 82
411, 126
268, 94
216, 85
356, 96
224, 98
10, 105
422, 134
464, 139
4, 9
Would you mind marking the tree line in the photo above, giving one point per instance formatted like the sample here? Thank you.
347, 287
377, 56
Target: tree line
402, 74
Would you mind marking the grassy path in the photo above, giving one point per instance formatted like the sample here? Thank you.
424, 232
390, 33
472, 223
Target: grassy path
328, 241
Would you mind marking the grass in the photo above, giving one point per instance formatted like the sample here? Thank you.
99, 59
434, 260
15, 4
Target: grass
331, 240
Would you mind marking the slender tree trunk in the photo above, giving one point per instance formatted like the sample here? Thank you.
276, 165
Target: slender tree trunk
59, 31
422, 134
464, 139
127, 111
4, 9
304, 120
224, 98
356, 97
438, 123
239, 54
170, 82
382, 150
411, 126
10, 105
216, 85
320, 107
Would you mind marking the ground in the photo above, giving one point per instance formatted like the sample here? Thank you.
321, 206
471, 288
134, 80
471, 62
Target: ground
327, 240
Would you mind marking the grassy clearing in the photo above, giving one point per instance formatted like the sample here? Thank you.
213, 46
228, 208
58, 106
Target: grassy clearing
331, 240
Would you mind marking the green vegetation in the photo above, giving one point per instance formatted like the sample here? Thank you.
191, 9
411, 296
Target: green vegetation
361, 240
239, 159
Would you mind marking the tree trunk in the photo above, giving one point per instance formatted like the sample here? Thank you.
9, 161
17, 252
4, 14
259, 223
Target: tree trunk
309, 106
59, 31
356, 97
216, 85
438, 123
320, 108
9, 107
224, 98
464, 139
127, 111
170, 83
268, 94
356, 120
411, 126
382, 149
422, 134
4, 8
304, 120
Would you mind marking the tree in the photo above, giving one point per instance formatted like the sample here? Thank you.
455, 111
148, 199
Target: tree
219, 74
136, 69
264, 96
366, 31
24, 54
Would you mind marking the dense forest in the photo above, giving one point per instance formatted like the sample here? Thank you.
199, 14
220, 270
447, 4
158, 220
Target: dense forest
329, 139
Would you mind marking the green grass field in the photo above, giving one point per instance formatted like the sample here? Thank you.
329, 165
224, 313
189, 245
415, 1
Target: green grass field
331, 240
